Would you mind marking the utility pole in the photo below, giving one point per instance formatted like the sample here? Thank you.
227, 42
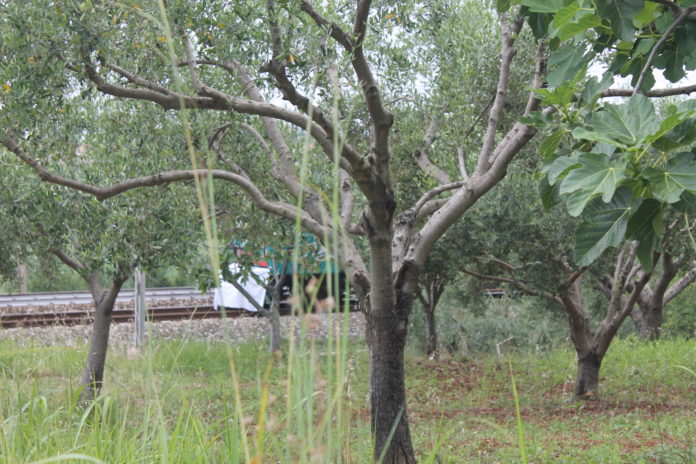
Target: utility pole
140, 309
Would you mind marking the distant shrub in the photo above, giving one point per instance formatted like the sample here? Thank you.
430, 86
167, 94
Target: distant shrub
461, 329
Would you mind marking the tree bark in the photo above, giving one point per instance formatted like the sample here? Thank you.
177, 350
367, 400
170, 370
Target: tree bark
386, 340
274, 323
93, 373
587, 383
648, 320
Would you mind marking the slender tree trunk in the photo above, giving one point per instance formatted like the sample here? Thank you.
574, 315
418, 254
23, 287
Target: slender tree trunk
273, 314
431, 347
587, 383
93, 373
104, 301
274, 323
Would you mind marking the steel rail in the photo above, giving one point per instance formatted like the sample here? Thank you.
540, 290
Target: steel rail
85, 297
172, 313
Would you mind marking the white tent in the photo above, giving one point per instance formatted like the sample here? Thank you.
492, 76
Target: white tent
229, 297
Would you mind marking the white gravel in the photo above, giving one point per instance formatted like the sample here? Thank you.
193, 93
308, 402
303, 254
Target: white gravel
234, 330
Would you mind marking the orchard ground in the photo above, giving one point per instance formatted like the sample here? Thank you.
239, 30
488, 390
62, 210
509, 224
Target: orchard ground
173, 403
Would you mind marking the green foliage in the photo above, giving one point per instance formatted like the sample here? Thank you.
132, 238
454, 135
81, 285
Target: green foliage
532, 326
603, 226
596, 175
680, 317
630, 144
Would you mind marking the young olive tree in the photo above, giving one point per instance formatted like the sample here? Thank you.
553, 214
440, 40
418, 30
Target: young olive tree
343, 72
102, 242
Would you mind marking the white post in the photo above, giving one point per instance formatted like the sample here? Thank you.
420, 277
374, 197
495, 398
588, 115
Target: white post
140, 308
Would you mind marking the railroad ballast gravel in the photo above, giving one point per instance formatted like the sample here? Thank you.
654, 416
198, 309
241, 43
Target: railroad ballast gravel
234, 330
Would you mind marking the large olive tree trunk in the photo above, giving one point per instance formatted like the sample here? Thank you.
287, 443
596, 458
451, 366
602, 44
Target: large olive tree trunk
386, 335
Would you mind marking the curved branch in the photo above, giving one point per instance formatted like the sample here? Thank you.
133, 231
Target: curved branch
422, 159
361, 14
516, 283
68, 261
432, 193
382, 119
215, 100
335, 31
278, 208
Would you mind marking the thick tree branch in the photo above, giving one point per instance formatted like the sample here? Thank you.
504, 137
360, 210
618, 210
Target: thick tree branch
461, 161
656, 93
681, 284
422, 159
669, 270
509, 34
539, 80
361, 14
611, 323
74, 264
334, 30
382, 119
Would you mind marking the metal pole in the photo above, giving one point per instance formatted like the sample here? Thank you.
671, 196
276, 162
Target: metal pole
140, 309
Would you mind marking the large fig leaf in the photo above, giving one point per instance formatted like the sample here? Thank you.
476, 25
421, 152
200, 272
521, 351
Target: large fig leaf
645, 225
679, 175
597, 175
620, 14
626, 125
604, 225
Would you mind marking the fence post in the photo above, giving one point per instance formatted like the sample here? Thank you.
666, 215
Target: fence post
140, 309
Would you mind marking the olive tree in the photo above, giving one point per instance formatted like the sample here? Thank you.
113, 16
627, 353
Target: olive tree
102, 242
344, 73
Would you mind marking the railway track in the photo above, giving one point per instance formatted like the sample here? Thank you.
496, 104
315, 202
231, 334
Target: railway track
84, 297
169, 313
173, 313
38, 318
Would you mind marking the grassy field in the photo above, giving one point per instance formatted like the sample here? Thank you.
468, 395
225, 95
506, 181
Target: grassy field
177, 403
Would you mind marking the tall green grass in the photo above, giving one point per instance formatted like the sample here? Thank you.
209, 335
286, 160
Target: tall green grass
176, 404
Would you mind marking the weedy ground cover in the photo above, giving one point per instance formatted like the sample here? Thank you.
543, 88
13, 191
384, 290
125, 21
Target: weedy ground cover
176, 402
